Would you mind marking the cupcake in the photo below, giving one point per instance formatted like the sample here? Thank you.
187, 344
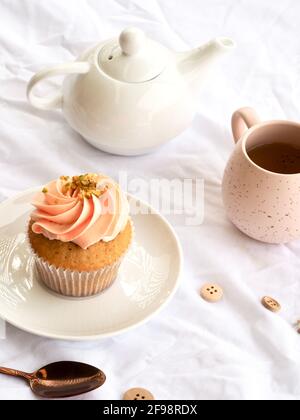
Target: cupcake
80, 232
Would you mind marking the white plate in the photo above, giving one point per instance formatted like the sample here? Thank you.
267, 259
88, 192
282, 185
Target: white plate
148, 279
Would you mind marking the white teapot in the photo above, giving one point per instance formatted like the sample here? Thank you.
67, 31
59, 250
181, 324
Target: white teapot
128, 96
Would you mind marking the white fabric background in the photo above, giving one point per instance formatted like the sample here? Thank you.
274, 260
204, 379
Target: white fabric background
233, 350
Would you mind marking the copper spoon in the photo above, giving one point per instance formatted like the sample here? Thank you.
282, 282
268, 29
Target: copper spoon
61, 379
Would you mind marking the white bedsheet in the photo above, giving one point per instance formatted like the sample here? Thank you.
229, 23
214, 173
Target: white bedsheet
235, 349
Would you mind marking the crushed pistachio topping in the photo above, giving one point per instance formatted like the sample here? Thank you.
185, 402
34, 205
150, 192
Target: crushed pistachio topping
82, 186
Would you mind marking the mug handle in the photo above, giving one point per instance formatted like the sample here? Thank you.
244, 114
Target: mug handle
242, 120
53, 101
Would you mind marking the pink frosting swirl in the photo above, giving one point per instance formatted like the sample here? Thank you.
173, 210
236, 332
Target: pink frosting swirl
68, 217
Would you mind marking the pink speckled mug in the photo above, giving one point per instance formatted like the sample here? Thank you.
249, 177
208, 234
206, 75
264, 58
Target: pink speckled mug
264, 205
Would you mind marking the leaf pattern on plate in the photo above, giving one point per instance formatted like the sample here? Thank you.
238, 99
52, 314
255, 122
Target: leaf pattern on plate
154, 270
16, 269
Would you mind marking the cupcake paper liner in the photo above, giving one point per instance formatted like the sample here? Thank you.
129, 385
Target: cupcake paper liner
75, 283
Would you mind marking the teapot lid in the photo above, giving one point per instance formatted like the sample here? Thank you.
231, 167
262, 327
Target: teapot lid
134, 59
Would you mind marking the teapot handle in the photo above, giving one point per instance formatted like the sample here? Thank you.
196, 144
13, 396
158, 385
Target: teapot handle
55, 100
242, 120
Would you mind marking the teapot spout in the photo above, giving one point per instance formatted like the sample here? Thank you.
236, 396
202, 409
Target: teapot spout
197, 64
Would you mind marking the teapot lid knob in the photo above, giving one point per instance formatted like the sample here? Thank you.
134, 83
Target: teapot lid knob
132, 41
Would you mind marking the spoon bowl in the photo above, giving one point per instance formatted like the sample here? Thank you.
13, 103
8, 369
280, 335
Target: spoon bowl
61, 379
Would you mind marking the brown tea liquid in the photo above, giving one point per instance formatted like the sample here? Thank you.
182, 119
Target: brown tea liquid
281, 158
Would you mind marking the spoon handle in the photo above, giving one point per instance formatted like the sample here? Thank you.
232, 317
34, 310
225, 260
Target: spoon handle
13, 372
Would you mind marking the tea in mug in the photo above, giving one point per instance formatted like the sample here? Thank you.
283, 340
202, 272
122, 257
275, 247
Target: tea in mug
281, 158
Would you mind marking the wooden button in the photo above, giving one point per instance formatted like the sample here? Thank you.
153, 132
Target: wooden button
138, 394
271, 304
211, 292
